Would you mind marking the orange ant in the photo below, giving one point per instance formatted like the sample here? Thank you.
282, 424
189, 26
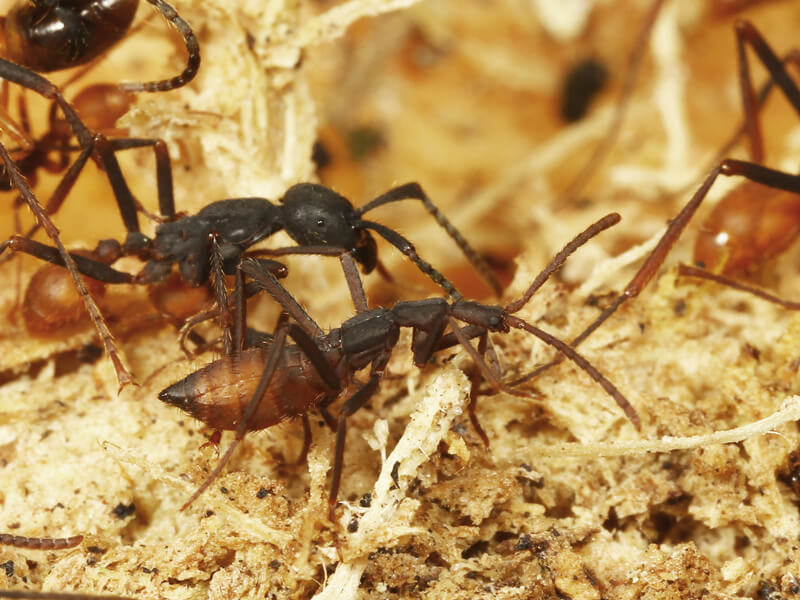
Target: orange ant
746, 235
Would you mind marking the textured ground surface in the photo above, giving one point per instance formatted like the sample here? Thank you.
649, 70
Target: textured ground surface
462, 97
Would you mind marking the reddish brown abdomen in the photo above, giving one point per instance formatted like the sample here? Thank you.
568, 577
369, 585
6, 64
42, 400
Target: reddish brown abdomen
752, 224
219, 393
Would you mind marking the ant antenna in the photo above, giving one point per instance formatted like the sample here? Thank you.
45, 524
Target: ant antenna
192, 47
413, 191
407, 248
559, 259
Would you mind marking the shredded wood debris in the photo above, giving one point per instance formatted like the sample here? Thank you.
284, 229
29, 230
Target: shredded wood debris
568, 499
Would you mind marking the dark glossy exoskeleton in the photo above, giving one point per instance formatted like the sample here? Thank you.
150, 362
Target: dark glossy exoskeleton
316, 217
51, 35
258, 387
757, 235
217, 237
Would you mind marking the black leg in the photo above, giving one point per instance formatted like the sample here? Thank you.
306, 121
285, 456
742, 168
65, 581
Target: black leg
123, 375
192, 63
414, 191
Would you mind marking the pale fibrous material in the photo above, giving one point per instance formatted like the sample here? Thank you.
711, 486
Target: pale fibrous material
569, 499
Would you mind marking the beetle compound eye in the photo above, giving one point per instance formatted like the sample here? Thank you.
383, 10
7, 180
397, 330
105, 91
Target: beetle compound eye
320, 223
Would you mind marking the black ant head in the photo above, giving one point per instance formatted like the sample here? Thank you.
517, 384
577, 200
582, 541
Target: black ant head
490, 317
314, 215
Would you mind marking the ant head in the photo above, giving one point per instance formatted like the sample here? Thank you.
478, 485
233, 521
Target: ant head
490, 317
314, 215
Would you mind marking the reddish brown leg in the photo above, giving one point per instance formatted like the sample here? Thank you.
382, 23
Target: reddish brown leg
306, 441
753, 172
689, 271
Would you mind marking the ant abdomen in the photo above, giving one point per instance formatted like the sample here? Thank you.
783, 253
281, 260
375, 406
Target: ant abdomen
749, 226
52, 301
101, 104
179, 300
218, 393
55, 35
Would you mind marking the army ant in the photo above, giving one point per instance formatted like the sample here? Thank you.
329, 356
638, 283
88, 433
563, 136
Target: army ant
255, 388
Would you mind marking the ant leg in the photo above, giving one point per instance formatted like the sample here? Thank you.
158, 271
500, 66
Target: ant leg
354, 282
268, 282
37, 543
747, 34
353, 403
306, 441
793, 57
729, 167
474, 380
414, 191
263, 384
85, 266
123, 375
33, 81
251, 289
689, 271
192, 47
166, 195
584, 364
480, 363
221, 292
407, 248
64, 187
240, 313
348, 266
275, 351
632, 70
329, 419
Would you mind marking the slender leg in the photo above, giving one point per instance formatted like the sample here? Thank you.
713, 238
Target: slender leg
348, 266
407, 248
729, 167
192, 63
689, 271
123, 375
266, 377
166, 194
268, 282
414, 191
475, 379
221, 292
353, 403
306, 441
747, 34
